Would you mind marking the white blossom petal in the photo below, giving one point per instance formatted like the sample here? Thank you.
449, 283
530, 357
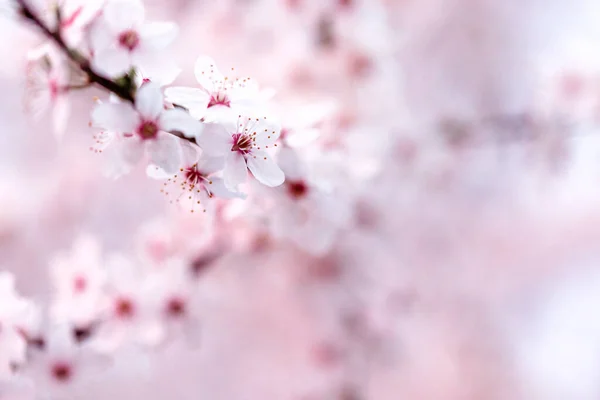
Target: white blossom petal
264, 169
155, 172
218, 188
100, 36
235, 171
180, 121
267, 132
161, 70
132, 150
221, 114
215, 140
149, 101
195, 100
210, 165
206, 72
121, 15
117, 117
165, 152
189, 153
112, 61
158, 35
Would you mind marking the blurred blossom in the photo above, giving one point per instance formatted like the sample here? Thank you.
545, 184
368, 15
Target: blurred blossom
299, 199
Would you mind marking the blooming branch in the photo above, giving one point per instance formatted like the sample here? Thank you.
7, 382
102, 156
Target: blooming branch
82, 62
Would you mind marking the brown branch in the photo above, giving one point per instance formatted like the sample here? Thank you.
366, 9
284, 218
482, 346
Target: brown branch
82, 62
79, 60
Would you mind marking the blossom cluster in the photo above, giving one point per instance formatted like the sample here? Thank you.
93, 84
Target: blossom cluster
381, 199
205, 139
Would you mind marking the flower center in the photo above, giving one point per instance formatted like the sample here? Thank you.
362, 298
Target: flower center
241, 143
297, 189
129, 39
61, 371
219, 99
192, 175
175, 307
148, 130
79, 284
124, 308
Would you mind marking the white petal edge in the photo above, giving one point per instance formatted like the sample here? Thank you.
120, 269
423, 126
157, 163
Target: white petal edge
264, 169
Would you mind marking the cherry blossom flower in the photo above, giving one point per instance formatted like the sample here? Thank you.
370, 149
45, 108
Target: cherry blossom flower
175, 299
144, 128
305, 212
48, 81
78, 278
219, 98
196, 184
120, 40
244, 148
127, 316
62, 365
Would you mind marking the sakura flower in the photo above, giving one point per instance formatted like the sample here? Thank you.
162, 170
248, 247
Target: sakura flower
195, 184
174, 299
219, 98
126, 316
144, 128
78, 279
63, 366
305, 212
120, 40
48, 82
243, 147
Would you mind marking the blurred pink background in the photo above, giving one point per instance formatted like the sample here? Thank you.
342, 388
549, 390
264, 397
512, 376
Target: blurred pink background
462, 137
